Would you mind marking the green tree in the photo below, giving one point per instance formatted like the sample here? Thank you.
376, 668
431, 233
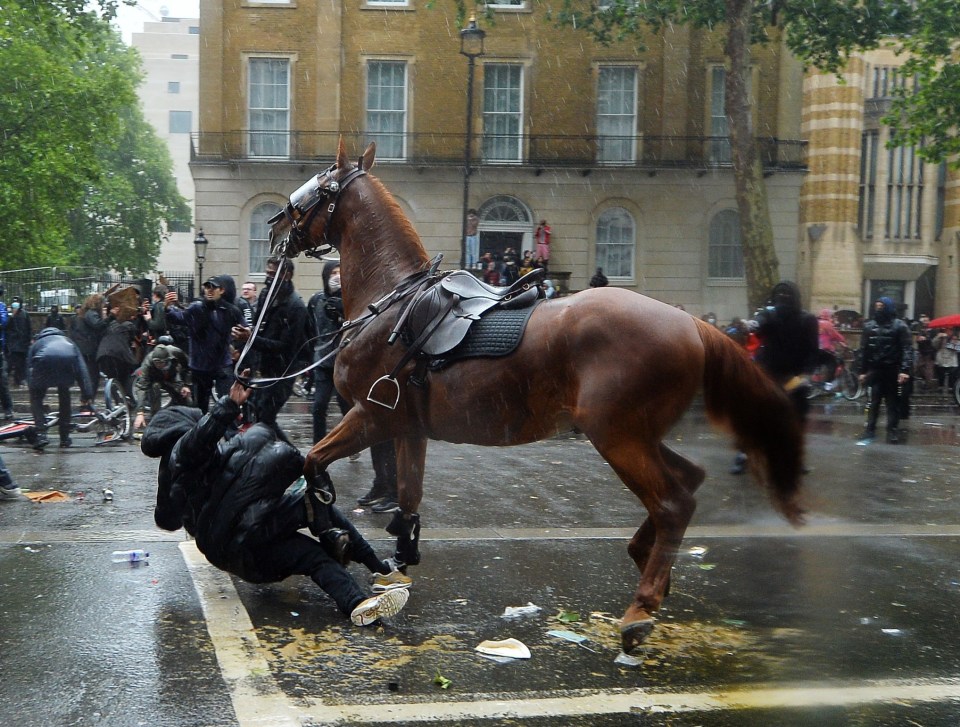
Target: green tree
67, 102
822, 33
925, 114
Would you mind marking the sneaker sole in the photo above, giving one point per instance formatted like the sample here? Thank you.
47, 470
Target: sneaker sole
383, 606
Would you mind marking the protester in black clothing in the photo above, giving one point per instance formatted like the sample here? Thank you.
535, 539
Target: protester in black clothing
211, 324
243, 501
55, 360
326, 308
599, 280
89, 325
55, 319
115, 355
886, 350
789, 347
19, 333
280, 343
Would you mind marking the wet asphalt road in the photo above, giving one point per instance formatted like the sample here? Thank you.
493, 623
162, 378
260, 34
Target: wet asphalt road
850, 620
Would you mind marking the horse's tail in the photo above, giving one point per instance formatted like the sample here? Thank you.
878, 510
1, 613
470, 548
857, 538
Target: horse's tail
765, 425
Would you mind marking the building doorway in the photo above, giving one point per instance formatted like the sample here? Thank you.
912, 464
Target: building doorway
505, 222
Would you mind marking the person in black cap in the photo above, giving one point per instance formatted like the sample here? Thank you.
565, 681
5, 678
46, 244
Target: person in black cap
163, 370
210, 325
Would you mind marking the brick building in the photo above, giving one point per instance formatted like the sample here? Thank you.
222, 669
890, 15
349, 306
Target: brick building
625, 154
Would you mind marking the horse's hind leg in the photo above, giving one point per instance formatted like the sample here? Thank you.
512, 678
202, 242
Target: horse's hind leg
688, 474
665, 482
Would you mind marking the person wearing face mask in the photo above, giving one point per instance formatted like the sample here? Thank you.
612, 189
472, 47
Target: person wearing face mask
19, 333
317, 308
280, 343
886, 349
211, 324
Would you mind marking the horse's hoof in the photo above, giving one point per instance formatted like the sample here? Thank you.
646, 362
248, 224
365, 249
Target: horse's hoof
632, 635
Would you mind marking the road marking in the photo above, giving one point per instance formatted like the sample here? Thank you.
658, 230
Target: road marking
258, 701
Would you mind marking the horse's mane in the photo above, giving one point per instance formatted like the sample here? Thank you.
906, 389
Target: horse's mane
387, 228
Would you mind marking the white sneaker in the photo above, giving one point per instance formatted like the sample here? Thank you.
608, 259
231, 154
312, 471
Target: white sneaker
381, 606
383, 582
12, 493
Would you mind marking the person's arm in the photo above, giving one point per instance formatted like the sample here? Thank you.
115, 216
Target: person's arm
906, 347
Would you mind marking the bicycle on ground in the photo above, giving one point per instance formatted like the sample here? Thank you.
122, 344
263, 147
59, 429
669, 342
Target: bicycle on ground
838, 376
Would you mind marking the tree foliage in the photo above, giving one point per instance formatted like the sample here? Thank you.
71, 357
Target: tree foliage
74, 149
822, 33
925, 114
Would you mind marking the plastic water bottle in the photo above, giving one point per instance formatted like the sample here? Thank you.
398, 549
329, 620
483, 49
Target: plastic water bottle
129, 556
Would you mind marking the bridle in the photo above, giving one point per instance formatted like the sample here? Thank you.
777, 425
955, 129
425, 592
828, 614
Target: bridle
305, 204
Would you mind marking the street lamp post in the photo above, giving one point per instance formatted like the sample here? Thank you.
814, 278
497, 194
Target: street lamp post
200, 245
471, 46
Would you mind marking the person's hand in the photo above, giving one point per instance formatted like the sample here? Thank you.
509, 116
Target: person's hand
241, 333
185, 392
170, 298
140, 421
862, 378
903, 378
239, 393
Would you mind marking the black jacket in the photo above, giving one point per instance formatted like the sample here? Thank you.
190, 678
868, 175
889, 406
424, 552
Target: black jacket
789, 336
19, 332
87, 331
55, 360
221, 491
281, 340
886, 344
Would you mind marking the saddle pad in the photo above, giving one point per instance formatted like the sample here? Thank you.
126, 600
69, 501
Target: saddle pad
497, 333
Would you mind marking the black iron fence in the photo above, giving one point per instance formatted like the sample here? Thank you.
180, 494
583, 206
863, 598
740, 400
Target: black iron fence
67, 286
585, 152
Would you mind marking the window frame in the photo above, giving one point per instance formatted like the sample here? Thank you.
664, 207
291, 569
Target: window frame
262, 243
179, 114
713, 274
493, 139
254, 133
382, 137
603, 261
631, 140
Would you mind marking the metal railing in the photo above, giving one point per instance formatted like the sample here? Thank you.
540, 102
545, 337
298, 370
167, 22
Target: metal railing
68, 285
534, 151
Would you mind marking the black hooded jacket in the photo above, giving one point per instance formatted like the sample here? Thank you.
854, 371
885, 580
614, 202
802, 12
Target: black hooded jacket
221, 492
789, 336
886, 342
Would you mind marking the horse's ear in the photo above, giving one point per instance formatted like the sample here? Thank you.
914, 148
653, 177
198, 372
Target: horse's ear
366, 161
342, 161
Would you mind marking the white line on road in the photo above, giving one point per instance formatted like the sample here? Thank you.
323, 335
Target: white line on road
259, 702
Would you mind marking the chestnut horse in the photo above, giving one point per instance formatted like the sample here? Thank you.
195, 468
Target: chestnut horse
614, 365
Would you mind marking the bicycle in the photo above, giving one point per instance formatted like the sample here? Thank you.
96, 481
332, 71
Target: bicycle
113, 424
844, 381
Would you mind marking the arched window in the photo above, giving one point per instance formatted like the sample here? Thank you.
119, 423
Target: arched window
726, 248
616, 242
260, 235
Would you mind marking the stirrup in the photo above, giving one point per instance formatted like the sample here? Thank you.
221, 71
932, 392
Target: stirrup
384, 396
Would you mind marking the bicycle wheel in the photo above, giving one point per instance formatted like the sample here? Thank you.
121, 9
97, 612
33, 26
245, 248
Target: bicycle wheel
119, 423
850, 385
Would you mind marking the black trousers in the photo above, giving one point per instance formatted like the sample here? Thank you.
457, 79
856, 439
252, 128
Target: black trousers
206, 382
63, 404
293, 553
884, 388
323, 392
267, 402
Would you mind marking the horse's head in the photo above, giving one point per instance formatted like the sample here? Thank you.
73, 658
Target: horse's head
304, 222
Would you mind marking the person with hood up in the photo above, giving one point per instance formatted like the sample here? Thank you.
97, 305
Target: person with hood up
788, 349
281, 344
326, 308
55, 360
211, 325
886, 349
243, 499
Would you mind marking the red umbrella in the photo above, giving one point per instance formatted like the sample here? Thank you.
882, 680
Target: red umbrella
950, 321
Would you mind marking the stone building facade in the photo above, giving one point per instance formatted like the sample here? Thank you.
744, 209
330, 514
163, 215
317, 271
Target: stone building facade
874, 221
625, 154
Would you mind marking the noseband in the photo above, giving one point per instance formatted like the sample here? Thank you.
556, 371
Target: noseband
305, 204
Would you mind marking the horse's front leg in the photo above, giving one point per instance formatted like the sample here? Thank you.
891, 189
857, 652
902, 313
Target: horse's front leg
352, 434
411, 457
